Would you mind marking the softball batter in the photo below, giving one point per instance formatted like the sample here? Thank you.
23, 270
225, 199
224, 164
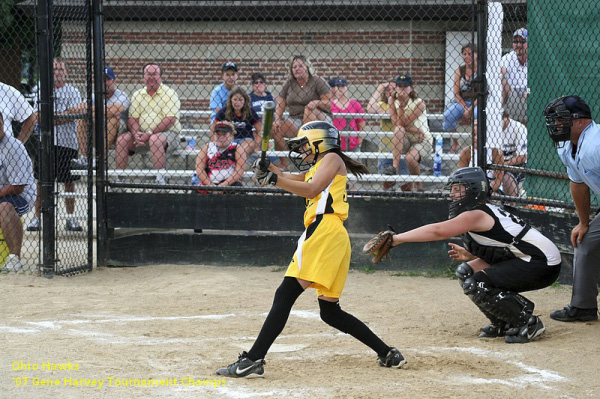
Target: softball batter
322, 258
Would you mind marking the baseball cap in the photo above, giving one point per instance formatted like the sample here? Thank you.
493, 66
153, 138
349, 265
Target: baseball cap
223, 127
333, 82
404, 80
229, 65
109, 73
578, 107
521, 32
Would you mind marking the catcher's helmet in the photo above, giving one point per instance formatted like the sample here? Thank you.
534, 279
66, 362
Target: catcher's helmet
560, 113
313, 138
477, 190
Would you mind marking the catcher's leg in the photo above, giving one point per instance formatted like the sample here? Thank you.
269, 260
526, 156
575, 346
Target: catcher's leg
503, 305
285, 297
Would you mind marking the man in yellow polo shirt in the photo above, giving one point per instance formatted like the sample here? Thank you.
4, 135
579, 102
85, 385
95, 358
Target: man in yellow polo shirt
153, 123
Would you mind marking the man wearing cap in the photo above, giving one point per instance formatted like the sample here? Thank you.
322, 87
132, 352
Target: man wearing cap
219, 95
259, 94
577, 136
153, 123
117, 106
514, 78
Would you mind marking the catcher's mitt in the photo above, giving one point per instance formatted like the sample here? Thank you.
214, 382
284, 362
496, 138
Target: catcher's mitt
380, 245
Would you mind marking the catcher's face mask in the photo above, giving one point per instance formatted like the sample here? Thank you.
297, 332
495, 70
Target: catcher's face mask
466, 188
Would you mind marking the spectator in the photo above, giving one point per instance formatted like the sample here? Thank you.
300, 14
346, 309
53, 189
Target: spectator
340, 103
219, 163
117, 107
514, 78
378, 104
244, 119
153, 123
259, 95
15, 107
468, 158
17, 194
306, 96
411, 135
512, 151
66, 102
465, 95
220, 94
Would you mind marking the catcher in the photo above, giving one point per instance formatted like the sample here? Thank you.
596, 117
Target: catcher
502, 257
322, 257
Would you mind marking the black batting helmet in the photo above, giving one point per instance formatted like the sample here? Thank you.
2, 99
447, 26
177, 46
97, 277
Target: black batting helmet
477, 190
560, 113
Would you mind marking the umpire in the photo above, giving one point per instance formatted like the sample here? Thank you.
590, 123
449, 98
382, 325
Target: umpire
570, 126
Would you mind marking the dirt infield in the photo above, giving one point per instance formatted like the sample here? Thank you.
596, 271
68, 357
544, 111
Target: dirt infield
133, 329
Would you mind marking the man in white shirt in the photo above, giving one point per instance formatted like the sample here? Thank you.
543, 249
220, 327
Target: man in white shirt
15, 107
514, 78
66, 102
17, 195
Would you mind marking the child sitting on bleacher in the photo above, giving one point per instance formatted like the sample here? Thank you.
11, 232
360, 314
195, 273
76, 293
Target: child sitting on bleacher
219, 163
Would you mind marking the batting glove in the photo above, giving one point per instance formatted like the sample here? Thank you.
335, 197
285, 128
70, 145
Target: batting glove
259, 165
264, 178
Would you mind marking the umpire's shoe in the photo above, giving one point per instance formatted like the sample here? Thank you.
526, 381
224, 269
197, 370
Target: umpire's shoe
521, 335
244, 368
393, 359
571, 313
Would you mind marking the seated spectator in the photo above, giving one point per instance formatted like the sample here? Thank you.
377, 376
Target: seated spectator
340, 103
153, 123
17, 195
411, 134
259, 94
307, 98
244, 119
468, 158
511, 151
220, 94
15, 107
219, 163
378, 104
117, 107
465, 95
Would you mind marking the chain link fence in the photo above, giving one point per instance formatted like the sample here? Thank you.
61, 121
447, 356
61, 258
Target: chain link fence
53, 204
185, 82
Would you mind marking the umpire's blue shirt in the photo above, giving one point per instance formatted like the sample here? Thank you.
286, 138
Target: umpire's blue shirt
585, 166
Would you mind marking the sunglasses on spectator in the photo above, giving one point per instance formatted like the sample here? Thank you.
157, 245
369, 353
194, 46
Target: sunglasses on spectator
519, 41
258, 82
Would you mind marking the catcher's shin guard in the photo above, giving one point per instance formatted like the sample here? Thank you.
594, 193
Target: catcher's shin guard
512, 307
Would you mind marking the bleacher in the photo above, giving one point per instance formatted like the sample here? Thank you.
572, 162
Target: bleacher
181, 164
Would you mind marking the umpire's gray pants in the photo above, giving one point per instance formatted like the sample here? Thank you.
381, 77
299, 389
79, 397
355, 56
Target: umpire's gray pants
586, 268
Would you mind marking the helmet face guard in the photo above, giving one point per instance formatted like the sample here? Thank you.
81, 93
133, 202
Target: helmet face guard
476, 190
313, 138
300, 150
559, 121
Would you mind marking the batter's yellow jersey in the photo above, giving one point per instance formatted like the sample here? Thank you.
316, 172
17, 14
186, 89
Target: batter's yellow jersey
332, 200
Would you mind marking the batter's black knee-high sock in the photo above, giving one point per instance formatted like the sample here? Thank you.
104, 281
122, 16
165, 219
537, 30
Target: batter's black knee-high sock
285, 297
332, 314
